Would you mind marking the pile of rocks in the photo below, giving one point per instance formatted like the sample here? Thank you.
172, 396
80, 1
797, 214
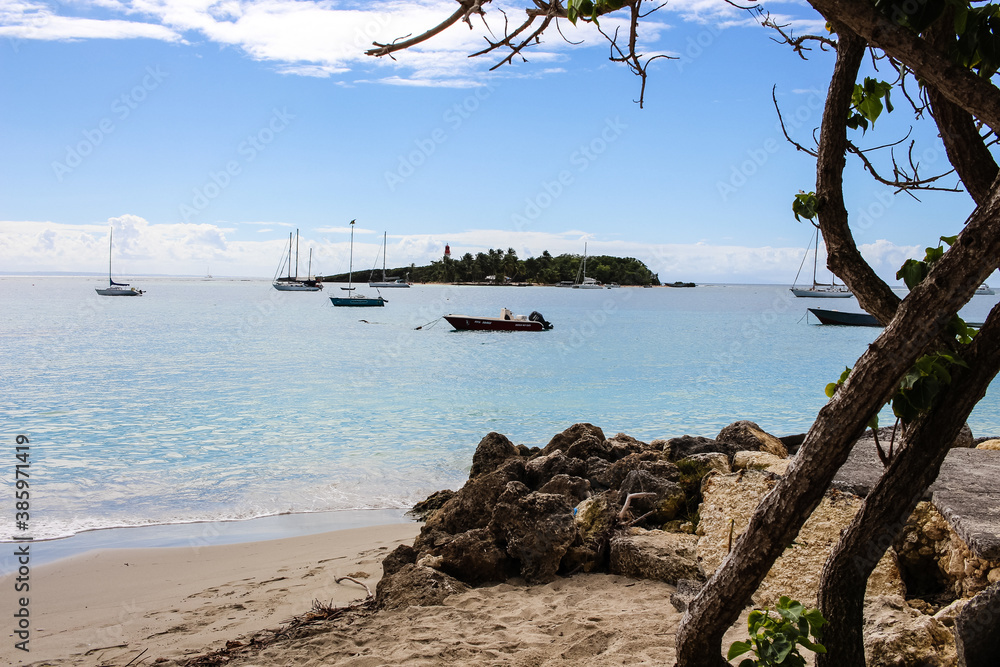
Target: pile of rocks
670, 510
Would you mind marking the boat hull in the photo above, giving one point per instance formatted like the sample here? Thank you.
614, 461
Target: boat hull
117, 291
357, 301
390, 284
466, 323
822, 292
844, 319
297, 287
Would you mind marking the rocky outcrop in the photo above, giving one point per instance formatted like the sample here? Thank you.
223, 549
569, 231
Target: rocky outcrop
416, 585
492, 451
897, 635
656, 554
978, 641
747, 436
747, 460
729, 502
689, 445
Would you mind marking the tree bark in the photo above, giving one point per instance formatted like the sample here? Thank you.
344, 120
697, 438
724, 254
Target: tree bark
843, 256
966, 149
882, 517
777, 520
976, 95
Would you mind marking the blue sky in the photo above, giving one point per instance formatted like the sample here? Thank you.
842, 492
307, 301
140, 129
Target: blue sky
205, 131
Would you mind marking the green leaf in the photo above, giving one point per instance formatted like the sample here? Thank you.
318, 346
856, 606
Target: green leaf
738, 649
912, 272
804, 205
950, 240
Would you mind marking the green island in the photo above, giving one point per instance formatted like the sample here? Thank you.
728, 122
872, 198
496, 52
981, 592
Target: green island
499, 267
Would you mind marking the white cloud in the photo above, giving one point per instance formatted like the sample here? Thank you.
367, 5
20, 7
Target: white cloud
321, 38
142, 247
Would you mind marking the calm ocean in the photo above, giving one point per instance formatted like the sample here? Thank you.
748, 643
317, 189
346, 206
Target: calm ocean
208, 400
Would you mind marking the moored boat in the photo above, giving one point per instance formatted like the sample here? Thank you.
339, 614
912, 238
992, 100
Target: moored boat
113, 288
290, 283
355, 300
820, 290
506, 322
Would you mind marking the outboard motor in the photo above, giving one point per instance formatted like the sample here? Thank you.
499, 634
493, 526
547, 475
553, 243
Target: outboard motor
537, 317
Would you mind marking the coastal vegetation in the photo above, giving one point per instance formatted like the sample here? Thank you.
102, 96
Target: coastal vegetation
941, 58
499, 267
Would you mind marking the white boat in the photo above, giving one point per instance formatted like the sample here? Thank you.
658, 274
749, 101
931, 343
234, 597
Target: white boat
355, 300
819, 290
984, 290
391, 281
290, 283
113, 288
586, 283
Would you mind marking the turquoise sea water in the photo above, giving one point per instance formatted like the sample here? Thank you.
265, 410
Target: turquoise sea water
225, 399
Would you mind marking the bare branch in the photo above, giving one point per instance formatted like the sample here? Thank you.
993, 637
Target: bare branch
784, 131
465, 10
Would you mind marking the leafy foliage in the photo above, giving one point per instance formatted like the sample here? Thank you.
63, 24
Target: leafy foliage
776, 640
589, 10
922, 384
499, 267
804, 205
866, 101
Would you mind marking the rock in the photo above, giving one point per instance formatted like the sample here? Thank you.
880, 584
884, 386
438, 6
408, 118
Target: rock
417, 586
687, 590
622, 445
402, 555
473, 504
665, 505
793, 442
597, 472
596, 518
993, 445
613, 476
977, 639
897, 636
967, 493
474, 558
491, 452
589, 445
688, 445
537, 529
863, 467
750, 437
760, 461
574, 488
655, 554
710, 461
728, 503
562, 441
429, 505
541, 469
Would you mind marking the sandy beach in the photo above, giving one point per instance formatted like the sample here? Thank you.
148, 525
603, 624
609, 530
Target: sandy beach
166, 605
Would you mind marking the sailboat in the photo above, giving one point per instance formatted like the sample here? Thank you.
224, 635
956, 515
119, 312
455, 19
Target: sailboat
819, 290
292, 283
113, 288
386, 282
586, 283
356, 300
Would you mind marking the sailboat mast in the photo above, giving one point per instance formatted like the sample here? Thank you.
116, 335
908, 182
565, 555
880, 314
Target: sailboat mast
296, 254
384, 236
350, 264
111, 236
289, 255
310, 270
815, 256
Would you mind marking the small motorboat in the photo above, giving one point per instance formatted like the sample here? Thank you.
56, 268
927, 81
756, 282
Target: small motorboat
506, 322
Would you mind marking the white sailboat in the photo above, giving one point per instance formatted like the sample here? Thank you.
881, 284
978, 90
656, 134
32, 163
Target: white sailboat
113, 288
586, 283
292, 283
819, 290
356, 300
390, 281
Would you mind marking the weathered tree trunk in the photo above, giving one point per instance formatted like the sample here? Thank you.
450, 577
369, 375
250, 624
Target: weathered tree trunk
976, 95
919, 320
884, 513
